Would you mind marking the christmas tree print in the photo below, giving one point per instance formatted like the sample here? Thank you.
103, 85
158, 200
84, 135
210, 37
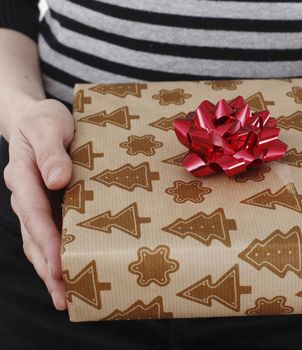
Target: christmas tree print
120, 90
128, 177
287, 196
296, 93
227, 290
79, 101
85, 285
176, 160
166, 124
119, 117
204, 228
279, 252
75, 197
257, 103
140, 310
293, 121
275, 306
224, 84
84, 156
292, 157
127, 220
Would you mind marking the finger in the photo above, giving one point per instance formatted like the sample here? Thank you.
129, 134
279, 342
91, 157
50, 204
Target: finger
14, 205
54, 286
35, 212
49, 137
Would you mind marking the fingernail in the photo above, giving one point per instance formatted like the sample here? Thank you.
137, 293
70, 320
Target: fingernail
53, 173
54, 299
58, 301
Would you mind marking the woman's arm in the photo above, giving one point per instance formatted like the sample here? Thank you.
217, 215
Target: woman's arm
38, 131
20, 77
19, 69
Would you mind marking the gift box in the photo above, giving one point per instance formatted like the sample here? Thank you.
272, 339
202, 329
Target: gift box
143, 238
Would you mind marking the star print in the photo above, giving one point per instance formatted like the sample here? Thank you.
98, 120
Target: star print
275, 306
224, 84
66, 239
296, 93
176, 96
141, 144
192, 191
256, 175
153, 266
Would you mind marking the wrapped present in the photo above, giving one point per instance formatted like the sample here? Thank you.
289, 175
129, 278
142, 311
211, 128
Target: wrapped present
143, 238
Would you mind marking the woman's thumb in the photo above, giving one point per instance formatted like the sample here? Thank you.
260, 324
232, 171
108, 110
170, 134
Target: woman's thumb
48, 138
54, 163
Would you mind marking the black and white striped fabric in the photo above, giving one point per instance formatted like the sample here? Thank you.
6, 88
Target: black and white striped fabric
153, 40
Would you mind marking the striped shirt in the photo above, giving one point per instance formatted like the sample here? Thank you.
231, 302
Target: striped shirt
107, 41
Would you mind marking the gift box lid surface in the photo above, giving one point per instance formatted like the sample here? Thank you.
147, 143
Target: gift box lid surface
143, 238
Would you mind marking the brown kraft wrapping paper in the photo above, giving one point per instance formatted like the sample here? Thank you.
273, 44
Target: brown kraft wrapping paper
142, 238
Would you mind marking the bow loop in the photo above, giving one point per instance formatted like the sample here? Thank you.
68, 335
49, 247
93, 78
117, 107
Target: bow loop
228, 137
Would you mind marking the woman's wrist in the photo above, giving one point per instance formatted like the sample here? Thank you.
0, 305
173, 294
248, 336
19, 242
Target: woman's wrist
19, 108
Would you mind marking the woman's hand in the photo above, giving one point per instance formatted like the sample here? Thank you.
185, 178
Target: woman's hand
38, 156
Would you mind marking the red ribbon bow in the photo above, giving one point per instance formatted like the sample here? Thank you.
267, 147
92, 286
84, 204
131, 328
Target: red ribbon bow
228, 137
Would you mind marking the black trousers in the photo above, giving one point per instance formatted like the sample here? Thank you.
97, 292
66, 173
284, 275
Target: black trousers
29, 321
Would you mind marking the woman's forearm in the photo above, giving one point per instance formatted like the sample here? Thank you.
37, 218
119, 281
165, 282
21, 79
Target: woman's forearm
39, 131
20, 77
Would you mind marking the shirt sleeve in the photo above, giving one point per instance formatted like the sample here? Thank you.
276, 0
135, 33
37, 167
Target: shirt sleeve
20, 15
